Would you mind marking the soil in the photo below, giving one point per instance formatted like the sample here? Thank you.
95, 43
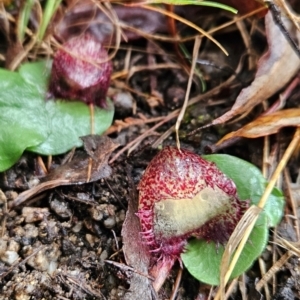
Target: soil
66, 242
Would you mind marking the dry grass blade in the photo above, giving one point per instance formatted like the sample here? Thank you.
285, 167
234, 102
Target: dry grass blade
247, 220
274, 269
127, 122
292, 192
111, 14
293, 247
188, 90
184, 21
135, 69
176, 286
262, 267
3, 200
23, 53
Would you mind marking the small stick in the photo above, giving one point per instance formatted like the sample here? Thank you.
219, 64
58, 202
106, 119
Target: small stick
128, 268
4, 212
92, 118
176, 286
92, 123
188, 90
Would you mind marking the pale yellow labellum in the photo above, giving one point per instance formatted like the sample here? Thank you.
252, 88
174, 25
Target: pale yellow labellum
177, 217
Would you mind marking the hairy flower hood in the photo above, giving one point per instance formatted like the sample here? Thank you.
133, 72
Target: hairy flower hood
183, 195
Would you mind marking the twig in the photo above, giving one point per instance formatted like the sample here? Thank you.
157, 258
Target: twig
176, 285
274, 269
4, 211
141, 137
188, 90
127, 268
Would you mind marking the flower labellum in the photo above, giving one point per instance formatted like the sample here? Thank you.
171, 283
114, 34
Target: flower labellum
81, 71
182, 195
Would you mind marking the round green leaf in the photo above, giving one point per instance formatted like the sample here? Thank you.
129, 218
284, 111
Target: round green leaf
37, 74
250, 184
29, 122
203, 259
68, 121
22, 117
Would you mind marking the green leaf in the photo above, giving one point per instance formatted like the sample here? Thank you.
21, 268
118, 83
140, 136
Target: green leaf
29, 122
250, 184
36, 74
67, 122
23, 19
50, 9
21, 118
203, 259
195, 2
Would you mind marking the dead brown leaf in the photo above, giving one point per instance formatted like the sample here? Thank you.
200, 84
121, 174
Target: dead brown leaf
135, 252
275, 69
266, 124
97, 147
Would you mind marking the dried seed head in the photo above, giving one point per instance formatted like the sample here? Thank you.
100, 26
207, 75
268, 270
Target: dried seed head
182, 195
81, 71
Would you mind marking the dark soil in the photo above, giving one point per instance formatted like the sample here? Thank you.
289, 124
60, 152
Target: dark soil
63, 237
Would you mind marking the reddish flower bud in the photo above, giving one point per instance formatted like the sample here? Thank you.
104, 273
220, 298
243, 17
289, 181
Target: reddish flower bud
81, 71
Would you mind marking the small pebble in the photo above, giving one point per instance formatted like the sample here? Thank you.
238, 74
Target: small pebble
103, 256
91, 239
61, 208
13, 246
110, 222
2, 198
9, 257
46, 259
34, 214
48, 231
77, 227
